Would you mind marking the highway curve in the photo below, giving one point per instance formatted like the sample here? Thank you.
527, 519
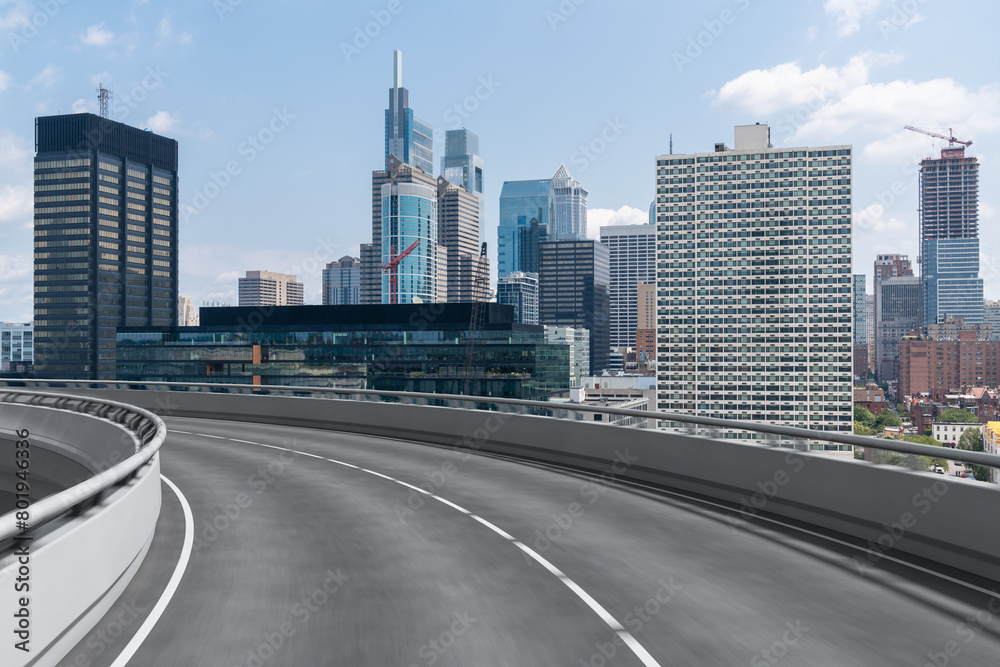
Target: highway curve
298, 560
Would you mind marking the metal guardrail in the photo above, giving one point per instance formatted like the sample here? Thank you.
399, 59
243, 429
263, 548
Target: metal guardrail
713, 426
148, 432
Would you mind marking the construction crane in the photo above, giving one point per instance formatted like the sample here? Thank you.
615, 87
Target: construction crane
951, 139
392, 267
480, 292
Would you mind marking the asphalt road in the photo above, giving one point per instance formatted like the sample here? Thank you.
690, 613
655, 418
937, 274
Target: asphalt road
301, 561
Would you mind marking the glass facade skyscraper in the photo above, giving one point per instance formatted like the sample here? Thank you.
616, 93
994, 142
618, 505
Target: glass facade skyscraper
410, 214
521, 203
520, 290
949, 237
406, 136
105, 240
570, 221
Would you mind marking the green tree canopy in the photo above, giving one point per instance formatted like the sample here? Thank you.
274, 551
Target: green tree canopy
862, 429
864, 415
956, 416
887, 418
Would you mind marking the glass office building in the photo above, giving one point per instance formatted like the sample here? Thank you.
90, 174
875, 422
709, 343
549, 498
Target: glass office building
521, 204
419, 348
409, 215
406, 136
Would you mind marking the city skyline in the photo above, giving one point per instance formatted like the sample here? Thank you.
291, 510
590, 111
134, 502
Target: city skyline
842, 77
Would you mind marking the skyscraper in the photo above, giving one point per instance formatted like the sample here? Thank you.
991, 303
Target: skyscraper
187, 314
898, 316
570, 221
267, 288
949, 237
462, 164
754, 282
407, 137
521, 203
860, 297
898, 311
645, 331
458, 236
632, 256
342, 282
573, 277
105, 240
520, 289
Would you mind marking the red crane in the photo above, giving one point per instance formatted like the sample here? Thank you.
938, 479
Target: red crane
951, 139
391, 267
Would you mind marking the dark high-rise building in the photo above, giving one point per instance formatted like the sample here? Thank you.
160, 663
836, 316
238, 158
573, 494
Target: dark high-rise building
342, 282
105, 240
462, 164
528, 240
573, 278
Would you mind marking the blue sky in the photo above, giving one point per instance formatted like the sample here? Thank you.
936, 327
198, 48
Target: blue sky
537, 81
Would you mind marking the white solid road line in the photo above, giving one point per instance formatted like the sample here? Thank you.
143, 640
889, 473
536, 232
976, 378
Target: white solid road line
630, 641
168, 593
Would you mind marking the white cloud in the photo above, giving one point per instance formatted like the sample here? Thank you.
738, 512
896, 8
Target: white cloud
4, 81
16, 205
786, 85
16, 17
626, 215
97, 35
15, 153
917, 18
849, 13
82, 105
14, 267
162, 122
873, 219
165, 31
47, 77
812, 33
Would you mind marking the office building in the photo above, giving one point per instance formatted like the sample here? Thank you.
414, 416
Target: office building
381, 347
754, 283
462, 165
267, 288
891, 266
898, 312
187, 314
17, 345
577, 339
573, 279
645, 332
458, 236
870, 328
860, 330
520, 290
949, 237
991, 315
632, 258
342, 282
526, 207
570, 221
883, 345
938, 366
407, 137
105, 240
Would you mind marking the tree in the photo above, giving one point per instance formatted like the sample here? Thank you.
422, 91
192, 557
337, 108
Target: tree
862, 429
887, 418
928, 431
972, 441
864, 415
956, 416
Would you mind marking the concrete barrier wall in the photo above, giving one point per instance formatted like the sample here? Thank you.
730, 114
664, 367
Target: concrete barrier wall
78, 568
943, 519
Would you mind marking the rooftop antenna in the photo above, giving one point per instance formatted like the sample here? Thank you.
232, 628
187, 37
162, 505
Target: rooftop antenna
397, 69
103, 99
671, 143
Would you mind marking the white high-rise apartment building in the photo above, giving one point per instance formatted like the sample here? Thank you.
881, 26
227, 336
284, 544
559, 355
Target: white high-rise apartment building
755, 283
632, 255
266, 288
